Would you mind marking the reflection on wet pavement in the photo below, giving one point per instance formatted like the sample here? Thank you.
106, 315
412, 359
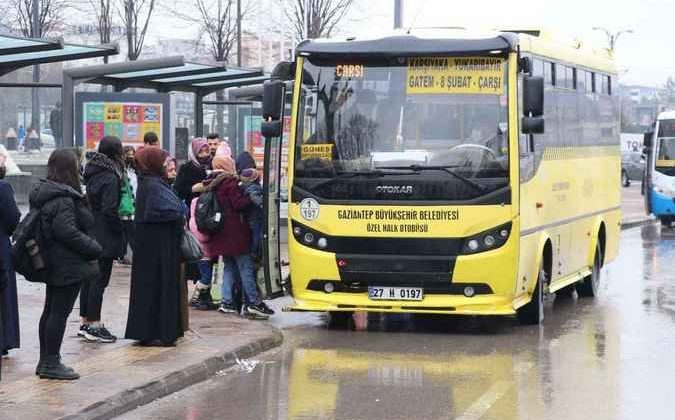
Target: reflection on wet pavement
605, 359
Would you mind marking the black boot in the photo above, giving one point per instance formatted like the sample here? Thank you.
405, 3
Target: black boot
41, 362
205, 302
52, 368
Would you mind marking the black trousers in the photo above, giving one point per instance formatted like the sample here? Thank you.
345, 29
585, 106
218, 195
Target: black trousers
91, 292
129, 234
58, 305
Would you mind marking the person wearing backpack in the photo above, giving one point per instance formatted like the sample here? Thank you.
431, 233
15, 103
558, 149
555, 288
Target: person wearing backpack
127, 206
233, 242
103, 176
70, 253
9, 307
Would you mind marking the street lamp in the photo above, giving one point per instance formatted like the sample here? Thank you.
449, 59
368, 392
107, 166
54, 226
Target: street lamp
612, 38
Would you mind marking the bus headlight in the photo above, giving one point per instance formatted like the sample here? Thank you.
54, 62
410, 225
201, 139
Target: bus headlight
310, 237
488, 240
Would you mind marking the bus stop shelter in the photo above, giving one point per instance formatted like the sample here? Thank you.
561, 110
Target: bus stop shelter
163, 75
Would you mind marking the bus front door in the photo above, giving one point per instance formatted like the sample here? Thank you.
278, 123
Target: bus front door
272, 283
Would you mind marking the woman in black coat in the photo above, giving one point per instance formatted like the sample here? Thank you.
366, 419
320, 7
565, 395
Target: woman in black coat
9, 307
194, 171
103, 179
155, 299
70, 252
3, 286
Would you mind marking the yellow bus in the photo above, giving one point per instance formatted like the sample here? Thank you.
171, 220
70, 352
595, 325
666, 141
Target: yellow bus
449, 172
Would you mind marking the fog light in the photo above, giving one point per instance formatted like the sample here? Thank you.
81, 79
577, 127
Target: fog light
322, 242
504, 233
309, 238
489, 240
297, 231
342, 263
473, 244
329, 287
469, 291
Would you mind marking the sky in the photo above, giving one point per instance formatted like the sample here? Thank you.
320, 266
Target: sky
645, 57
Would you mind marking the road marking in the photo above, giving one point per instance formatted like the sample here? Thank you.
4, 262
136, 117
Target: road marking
498, 389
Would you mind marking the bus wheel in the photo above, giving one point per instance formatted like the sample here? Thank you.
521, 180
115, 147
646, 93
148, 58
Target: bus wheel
625, 181
340, 320
589, 286
533, 312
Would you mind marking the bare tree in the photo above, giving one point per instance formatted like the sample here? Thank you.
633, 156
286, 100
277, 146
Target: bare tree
49, 16
219, 21
135, 15
315, 18
36, 19
103, 9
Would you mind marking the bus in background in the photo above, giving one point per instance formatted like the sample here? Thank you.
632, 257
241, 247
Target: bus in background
422, 178
659, 181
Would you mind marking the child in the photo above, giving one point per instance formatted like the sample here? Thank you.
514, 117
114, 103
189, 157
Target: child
250, 184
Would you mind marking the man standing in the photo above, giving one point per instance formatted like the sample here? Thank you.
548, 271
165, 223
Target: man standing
213, 141
56, 124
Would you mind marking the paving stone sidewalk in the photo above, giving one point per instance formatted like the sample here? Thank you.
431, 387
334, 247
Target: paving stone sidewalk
120, 376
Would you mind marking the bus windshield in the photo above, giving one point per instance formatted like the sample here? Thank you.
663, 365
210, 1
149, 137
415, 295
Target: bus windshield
437, 125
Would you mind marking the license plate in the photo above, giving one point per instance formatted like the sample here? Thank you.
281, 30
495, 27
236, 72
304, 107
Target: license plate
395, 293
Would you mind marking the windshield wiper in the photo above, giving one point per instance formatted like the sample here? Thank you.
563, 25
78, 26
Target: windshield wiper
352, 174
445, 168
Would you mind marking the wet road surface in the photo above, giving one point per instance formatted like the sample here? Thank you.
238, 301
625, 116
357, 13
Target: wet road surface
612, 358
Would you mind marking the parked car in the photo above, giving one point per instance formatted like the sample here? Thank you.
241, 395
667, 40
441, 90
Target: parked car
632, 168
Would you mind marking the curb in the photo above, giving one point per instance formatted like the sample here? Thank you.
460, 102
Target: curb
133, 398
629, 224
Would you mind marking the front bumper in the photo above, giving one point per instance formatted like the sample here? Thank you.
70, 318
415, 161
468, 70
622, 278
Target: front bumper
662, 204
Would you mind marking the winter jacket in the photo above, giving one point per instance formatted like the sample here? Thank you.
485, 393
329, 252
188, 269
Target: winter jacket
65, 222
235, 237
189, 175
156, 202
9, 213
103, 179
254, 213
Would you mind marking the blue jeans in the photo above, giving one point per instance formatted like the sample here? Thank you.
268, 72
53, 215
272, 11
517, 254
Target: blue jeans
247, 274
206, 271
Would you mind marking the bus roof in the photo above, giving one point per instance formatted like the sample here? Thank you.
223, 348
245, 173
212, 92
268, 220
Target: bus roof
417, 43
458, 41
666, 115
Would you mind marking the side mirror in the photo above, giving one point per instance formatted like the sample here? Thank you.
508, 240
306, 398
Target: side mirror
533, 96
285, 70
272, 105
532, 125
647, 140
273, 99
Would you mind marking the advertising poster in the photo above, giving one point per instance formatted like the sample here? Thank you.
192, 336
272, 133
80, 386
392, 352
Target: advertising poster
127, 120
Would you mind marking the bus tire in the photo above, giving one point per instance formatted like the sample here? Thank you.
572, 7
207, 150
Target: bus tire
340, 320
533, 312
590, 285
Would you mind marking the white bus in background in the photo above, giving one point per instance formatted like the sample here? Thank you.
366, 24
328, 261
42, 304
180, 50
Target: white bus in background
659, 184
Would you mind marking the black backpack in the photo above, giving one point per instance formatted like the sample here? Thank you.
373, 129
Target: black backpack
27, 249
209, 216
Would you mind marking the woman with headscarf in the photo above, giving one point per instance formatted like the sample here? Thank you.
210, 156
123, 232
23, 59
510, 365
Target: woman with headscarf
9, 219
103, 176
155, 299
233, 243
194, 171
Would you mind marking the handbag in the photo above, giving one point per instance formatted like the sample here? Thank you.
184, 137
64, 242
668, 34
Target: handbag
190, 250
